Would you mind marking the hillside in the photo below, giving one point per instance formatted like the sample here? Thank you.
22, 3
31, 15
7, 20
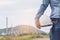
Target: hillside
21, 29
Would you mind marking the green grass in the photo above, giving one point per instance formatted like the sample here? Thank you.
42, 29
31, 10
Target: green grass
23, 37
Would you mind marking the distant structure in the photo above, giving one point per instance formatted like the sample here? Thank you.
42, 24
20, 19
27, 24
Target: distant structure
6, 25
11, 30
24, 29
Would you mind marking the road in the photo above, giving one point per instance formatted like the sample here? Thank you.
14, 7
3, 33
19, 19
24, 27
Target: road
41, 39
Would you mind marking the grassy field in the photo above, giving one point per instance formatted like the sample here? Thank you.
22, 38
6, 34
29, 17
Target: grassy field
23, 37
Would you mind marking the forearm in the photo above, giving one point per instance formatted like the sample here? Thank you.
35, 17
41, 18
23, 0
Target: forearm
43, 7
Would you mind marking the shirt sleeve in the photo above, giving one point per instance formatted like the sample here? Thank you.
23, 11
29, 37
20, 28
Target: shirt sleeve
43, 7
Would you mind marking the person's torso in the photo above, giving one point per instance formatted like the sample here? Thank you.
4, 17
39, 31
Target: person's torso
55, 7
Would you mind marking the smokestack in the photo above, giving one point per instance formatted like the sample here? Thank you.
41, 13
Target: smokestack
6, 25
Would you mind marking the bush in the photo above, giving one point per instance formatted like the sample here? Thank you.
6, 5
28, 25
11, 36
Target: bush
23, 37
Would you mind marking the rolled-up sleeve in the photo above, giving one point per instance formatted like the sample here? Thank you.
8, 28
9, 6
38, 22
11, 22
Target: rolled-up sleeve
43, 7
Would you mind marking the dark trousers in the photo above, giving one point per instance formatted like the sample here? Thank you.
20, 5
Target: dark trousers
55, 30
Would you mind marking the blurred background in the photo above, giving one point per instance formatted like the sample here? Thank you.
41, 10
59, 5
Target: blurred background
18, 16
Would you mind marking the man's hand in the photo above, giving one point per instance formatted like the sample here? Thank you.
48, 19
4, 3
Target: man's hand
37, 24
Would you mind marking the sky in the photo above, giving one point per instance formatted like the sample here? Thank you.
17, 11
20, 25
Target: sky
20, 12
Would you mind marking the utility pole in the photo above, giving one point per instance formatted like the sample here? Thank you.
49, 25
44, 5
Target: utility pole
6, 25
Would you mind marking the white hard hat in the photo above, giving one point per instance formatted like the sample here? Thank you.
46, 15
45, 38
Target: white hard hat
45, 21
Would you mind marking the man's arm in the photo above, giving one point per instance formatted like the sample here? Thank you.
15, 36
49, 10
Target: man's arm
43, 7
